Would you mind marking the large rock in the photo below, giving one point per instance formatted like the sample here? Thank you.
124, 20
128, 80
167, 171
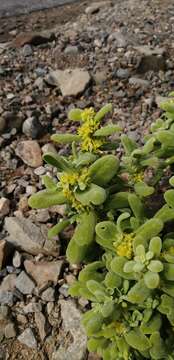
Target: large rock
30, 153
28, 237
33, 38
76, 349
71, 82
45, 272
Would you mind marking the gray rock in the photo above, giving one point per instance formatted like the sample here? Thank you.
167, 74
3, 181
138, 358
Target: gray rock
100, 77
118, 38
28, 237
76, 349
122, 73
48, 295
139, 82
71, 50
24, 284
32, 307
27, 338
6, 297
27, 50
10, 331
71, 82
41, 324
151, 59
17, 259
32, 127
96, 6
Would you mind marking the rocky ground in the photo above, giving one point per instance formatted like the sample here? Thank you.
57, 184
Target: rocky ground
119, 51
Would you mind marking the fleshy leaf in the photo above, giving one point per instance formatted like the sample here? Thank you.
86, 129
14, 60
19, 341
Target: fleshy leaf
107, 130
138, 293
46, 198
102, 112
143, 190
151, 279
136, 339
85, 229
136, 206
49, 182
75, 114
103, 170
58, 161
93, 194
65, 138
55, 230
169, 197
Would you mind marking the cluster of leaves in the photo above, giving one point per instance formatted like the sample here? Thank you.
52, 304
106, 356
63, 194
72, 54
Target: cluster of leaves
126, 244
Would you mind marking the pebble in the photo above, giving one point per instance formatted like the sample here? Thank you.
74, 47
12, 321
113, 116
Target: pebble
17, 259
24, 284
27, 338
29, 151
139, 82
4, 206
32, 127
48, 295
41, 324
39, 171
71, 50
49, 148
10, 331
27, 50
44, 272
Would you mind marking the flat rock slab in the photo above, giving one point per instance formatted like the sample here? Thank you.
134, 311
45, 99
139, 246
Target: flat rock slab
26, 236
18, 7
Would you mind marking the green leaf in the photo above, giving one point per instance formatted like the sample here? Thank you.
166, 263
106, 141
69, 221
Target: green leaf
154, 324
49, 182
46, 198
75, 254
106, 230
138, 293
155, 266
136, 339
150, 229
94, 194
55, 230
158, 349
165, 213
169, 271
136, 206
151, 279
169, 197
58, 161
65, 138
155, 245
85, 159
75, 114
85, 229
107, 130
112, 281
102, 112
117, 266
143, 190
166, 138
103, 170
128, 144
118, 201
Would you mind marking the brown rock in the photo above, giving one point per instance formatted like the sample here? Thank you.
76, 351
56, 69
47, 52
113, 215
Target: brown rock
3, 253
33, 38
44, 272
8, 283
41, 324
4, 206
29, 151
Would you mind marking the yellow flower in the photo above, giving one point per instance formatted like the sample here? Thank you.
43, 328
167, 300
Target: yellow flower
87, 130
69, 182
125, 248
120, 328
138, 177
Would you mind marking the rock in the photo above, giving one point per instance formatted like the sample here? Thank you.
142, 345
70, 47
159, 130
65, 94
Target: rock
27, 338
118, 38
48, 295
122, 73
17, 259
39, 171
32, 38
41, 324
100, 77
6, 298
95, 7
71, 50
29, 151
76, 349
49, 148
12, 120
151, 59
44, 272
139, 82
32, 127
32, 307
24, 284
4, 312
72, 82
10, 331
29, 237
27, 50
8, 283
4, 206
42, 216
3, 253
